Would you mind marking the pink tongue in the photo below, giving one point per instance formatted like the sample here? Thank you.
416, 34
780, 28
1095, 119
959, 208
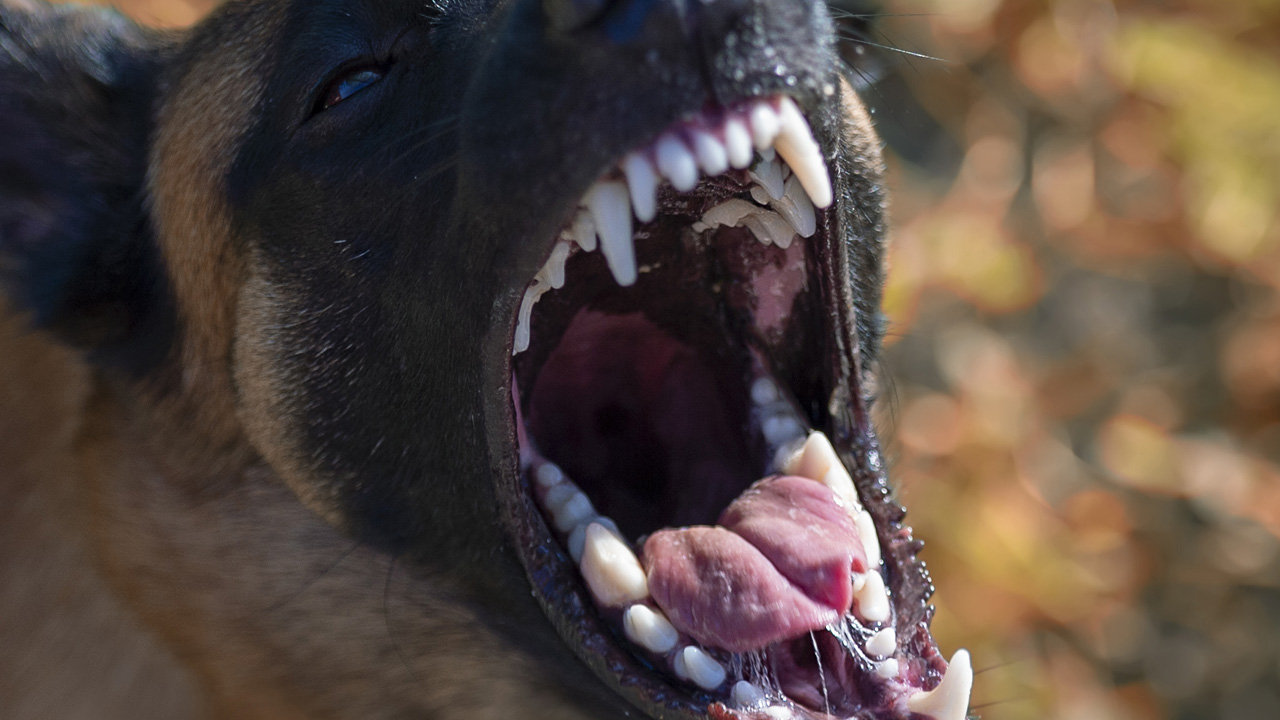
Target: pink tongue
778, 567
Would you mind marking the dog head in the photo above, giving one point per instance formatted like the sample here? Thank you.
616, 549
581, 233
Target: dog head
525, 294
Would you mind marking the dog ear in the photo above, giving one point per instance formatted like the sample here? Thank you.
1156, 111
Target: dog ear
78, 90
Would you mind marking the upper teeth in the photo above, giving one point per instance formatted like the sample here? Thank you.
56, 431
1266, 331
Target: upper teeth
790, 174
950, 700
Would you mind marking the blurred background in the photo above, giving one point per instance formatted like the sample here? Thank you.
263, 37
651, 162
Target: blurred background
1081, 389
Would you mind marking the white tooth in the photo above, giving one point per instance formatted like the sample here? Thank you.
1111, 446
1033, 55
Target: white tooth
778, 429
649, 629
796, 208
950, 700
702, 669
553, 271
737, 143
677, 163
578, 538
713, 158
765, 125
745, 694
778, 712
866, 528
760, 195
815, 458
583, 231
729, 213
611, 570
883, 644
764, 390
610, 210
557, 496
887, 669
573, 512
524, 320
837, 478
770, 227
642, 179
549, 475
796, 146
873, 599
859, 582
769, 174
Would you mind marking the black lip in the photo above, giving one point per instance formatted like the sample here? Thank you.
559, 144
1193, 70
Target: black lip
555, 581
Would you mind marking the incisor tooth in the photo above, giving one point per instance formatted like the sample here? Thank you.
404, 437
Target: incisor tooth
765, 125
575, 510
872, 599
649, 629
611, 570
713, 158
578, 538
950, 700
866, 528
558, 495
883, 643
737, 143
703, 670
796, 146
814, 459
887, 669
610, 209
745, 694
549, 475
642, 180
677, 163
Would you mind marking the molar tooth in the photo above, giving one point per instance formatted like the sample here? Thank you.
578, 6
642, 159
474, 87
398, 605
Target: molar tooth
887, 669
765, 125
573, 512
583, 231
713, 158
760, 195
768, 173
745, 694
729, 213
611, 570
649, 629
883, 644
770, 228
642, 180
737, 143
702, 669
950, 700
677, 163
873, 600
553, 270
796, 146
794, 205
610, 209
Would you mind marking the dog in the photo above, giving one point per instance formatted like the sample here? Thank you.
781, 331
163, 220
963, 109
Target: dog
449, 359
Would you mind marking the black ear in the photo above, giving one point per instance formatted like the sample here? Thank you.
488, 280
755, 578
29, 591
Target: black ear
78, 88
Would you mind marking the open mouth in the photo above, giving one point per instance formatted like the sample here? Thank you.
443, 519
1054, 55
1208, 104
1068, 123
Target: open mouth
678, 376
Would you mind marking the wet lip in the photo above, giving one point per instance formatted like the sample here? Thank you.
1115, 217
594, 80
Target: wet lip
554, 519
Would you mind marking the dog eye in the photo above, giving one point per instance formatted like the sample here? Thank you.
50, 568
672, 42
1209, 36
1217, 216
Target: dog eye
348, 84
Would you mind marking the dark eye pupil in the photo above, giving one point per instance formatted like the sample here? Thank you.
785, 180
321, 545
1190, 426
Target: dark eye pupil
350, 84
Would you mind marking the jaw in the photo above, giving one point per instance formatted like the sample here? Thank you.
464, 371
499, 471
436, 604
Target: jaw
646, 397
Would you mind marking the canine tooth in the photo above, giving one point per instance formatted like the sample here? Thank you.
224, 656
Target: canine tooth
950, 700
611, 570
610, 209
549, 475
764, 390
883, 643
578, 538
737, 143
795, 206
649, 629
866, 528
677, 163
760, 195
713, 158
642, 180
873, 599
887, 669
583, 231
796, 146
768, 173
745, 694
703, 670
765, 125
573, 512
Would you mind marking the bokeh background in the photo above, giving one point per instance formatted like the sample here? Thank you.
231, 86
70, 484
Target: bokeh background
1081, 387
